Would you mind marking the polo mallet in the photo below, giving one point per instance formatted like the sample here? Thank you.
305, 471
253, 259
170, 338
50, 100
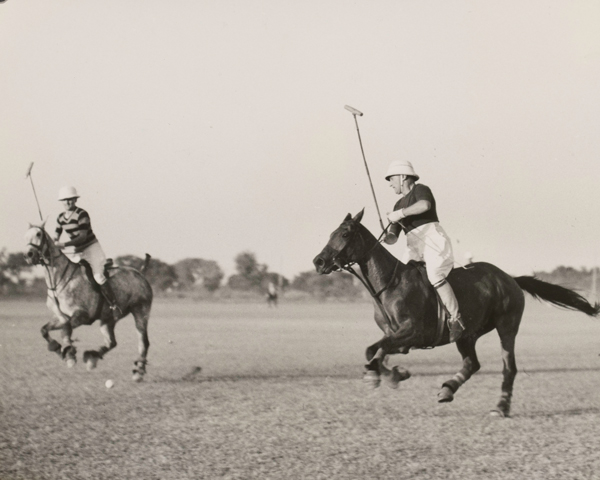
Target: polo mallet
354, 113
34, 194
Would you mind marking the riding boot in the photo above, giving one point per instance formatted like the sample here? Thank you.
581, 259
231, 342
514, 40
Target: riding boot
455, 324
109, 295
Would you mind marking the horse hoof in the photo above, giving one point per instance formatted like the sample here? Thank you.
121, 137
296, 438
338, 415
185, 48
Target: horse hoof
372, 379
91, 363
391, 382
445, 395
403, 374
498, 414
397, 376
137, 377
70, 362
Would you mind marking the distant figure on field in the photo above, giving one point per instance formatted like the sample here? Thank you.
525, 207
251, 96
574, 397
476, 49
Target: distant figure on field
76, 223
426, 240
272, 295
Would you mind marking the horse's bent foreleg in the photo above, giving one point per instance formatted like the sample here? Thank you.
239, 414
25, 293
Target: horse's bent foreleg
466, 347
390, 346
53, 345
377, 368
67, 352
142, 316
372, 350
91, 357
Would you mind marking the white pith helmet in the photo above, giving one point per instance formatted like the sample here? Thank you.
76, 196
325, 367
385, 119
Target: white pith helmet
67, 192
400, 167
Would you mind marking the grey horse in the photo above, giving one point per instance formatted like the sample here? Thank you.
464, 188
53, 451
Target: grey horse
75, 299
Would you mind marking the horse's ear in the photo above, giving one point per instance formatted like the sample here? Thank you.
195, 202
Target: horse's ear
359, 216
30, 225
348, 217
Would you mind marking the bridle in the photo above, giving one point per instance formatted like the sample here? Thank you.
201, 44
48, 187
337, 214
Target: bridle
47, 260
43, 248
365, 281
349, 264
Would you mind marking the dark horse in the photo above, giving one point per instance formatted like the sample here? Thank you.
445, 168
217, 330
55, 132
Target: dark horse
406, 307
75, 300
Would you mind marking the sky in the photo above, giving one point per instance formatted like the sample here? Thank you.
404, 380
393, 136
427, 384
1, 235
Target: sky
208, 128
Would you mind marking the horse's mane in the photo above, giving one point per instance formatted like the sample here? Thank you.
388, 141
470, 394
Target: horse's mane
364, 231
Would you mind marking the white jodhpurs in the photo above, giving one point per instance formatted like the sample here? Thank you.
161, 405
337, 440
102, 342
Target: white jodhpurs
448, 299
429, 243
94, 255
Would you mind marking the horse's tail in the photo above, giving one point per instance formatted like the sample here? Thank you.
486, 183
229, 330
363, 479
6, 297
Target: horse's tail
146, 263
557, 295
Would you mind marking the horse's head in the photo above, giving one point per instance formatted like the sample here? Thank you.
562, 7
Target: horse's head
39, 245
346, 245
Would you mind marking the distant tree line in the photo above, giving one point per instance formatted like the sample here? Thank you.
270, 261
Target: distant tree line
13, 273
195, 275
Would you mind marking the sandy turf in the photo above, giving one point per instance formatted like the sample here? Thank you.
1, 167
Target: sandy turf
243, 391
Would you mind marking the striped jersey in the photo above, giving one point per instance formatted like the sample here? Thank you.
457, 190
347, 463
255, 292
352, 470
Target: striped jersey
73, 223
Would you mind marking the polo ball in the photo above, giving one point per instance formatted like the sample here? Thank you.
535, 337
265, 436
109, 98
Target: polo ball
109, 384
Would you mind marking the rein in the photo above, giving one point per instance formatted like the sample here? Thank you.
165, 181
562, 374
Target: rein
367, 283
51, 283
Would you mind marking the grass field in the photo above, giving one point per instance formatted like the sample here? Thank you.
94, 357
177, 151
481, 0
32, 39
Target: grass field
244, 391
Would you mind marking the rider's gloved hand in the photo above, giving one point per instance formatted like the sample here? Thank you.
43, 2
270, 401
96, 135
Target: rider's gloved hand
396, 216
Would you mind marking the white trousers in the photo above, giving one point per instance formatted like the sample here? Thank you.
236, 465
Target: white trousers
94, 255
429, 243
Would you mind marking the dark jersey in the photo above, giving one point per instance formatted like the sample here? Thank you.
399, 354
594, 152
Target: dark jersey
73, 223
418, 192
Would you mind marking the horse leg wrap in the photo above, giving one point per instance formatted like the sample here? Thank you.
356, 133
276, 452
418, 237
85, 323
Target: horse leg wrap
69, 351
54, 346
372, 378
452, 385
92, 354
503, 406
140, 366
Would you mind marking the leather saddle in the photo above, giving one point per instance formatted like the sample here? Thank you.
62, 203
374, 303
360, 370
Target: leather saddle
109, 269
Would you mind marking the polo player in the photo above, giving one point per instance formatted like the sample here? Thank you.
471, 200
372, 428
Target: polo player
426, 240
76, 223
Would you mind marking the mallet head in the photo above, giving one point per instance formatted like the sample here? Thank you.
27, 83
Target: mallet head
353, 111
